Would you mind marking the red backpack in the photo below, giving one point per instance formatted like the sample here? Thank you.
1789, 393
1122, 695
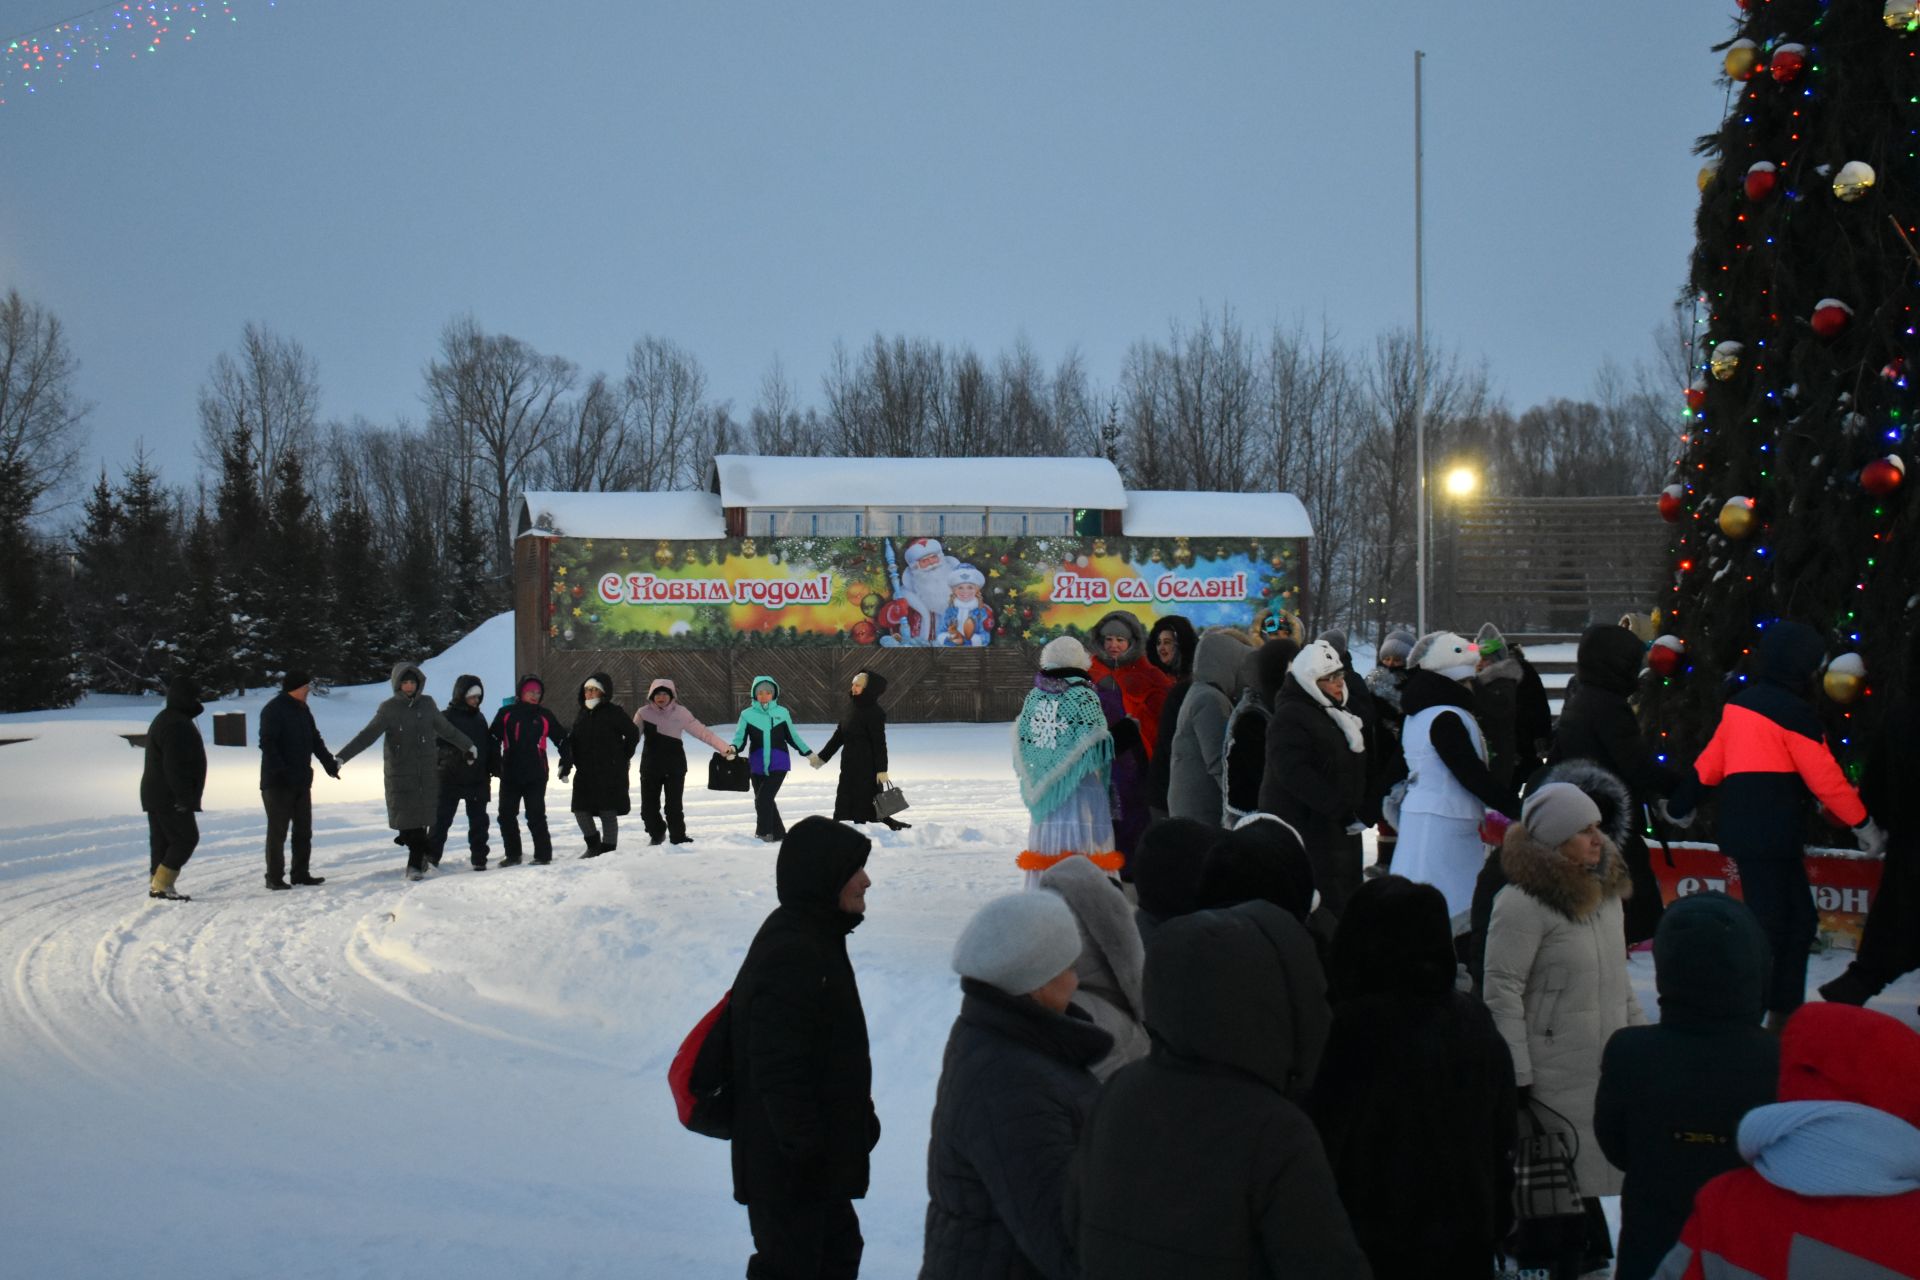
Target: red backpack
701, 1076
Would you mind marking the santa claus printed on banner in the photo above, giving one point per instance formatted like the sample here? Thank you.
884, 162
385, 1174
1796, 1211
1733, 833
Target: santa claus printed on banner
926, 586
967, 622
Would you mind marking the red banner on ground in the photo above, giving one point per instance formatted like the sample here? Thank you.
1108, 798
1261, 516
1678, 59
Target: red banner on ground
1843, 884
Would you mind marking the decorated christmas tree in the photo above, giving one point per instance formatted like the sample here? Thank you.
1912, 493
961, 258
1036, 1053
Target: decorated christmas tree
1790, 499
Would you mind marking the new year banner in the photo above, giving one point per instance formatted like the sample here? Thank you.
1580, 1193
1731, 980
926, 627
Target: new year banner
920, 592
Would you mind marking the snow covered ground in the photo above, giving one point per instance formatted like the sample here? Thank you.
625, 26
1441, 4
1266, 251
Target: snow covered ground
463, 1077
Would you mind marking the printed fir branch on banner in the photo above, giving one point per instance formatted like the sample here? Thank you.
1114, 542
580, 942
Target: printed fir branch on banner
93, 40
1791, 497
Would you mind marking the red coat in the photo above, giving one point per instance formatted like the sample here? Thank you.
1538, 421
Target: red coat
1143, 691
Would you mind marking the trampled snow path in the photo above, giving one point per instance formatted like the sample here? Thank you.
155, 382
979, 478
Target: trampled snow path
463, 1077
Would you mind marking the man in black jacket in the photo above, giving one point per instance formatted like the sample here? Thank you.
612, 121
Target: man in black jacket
465, 780
289, 743
170, 787
804, 1121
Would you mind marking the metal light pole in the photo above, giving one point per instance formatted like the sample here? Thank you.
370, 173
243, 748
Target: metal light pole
1419, 359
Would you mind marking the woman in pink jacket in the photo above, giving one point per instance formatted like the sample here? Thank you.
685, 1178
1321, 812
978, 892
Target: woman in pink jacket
663, 760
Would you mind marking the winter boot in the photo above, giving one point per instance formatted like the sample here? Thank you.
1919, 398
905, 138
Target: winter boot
479, 864
161, 886
894, 824
658, 837
594, 849
682, 838
309, 880
416, 873
1851, 987
276, 883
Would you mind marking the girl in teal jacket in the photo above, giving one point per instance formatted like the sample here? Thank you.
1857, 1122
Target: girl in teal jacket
765, 735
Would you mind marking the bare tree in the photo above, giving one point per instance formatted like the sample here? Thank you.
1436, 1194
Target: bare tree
1312, 428
665, 390
776, 424
592, 451
499, 402
41, 419
269, 391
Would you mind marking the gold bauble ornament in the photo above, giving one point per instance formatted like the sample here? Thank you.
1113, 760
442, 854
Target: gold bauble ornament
1725, 360
1737, 518
747, 547
1846, 678
1704, 178
1855, 179
1743, 60
1902, 15
1099, 546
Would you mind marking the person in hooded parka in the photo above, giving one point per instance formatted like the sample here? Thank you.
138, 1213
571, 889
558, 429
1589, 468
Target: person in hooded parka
1170, 646
1109, 968
1262, 672
600, 751
862, 736
410, 723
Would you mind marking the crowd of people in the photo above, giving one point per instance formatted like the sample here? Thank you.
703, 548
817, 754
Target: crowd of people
1201, 1040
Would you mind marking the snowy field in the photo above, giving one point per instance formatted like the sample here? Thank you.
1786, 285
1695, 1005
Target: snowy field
462, 1077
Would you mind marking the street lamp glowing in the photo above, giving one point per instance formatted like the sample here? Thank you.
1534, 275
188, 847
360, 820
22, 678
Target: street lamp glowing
1461, 481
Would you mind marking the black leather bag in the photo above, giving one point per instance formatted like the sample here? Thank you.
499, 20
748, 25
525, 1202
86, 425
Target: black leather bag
727, 775
889, 801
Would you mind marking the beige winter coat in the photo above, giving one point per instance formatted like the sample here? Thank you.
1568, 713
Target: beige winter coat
1556, 982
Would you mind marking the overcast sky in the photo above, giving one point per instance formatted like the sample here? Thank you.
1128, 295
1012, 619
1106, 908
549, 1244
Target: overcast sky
753, 179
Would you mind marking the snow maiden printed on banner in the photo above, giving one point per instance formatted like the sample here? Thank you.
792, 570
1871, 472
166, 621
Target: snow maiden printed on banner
920, 592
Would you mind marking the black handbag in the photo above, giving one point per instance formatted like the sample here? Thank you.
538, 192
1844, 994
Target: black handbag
1550, 1222
888, 801
727, 775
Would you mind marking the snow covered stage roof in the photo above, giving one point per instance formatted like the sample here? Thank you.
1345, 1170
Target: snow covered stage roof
622, 515
1164, 513
1009, 483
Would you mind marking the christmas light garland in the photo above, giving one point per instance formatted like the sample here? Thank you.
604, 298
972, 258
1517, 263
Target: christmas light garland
96, 39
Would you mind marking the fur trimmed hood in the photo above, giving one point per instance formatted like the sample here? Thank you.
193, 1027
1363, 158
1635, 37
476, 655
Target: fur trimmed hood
1544, 875
1603, 787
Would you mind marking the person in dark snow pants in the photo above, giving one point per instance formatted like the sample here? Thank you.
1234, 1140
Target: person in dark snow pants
409, 721
862, 733
1769, 756
1015, 1089
663, 719
599, 751
804, 1125
766, 736
289, 744
463, 780
521, 732
171, 784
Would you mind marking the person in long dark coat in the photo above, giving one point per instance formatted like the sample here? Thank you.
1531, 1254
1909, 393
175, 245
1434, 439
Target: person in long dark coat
1170, 646
862, 735
289, 744
465, 780
409, 721
1198, 1161
1890, 944
1316, 770
599, 752
1016, 1086
1672, 1094
1262, 673
804, 1121
172, 781
1598, 724
1415, 1099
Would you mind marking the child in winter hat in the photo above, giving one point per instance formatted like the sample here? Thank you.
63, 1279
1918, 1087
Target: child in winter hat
1018, 942
1446, 654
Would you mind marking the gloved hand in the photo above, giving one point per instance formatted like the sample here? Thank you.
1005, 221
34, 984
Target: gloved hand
332, 768
1872, 837
1682, 821
881, 779
566, 771
1493, 827
473, 757
816, 761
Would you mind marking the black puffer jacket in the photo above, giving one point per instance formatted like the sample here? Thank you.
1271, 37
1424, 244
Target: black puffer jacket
459, 774
600, 750
289, 744
1015, 1091
1415, 1098
862, 735
803, 1078
1313, 779
1197, 1162
1672, 1095
175, 774
1598, 722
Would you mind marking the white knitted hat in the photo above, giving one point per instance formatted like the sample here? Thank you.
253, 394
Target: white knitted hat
1019, 942
1064, 651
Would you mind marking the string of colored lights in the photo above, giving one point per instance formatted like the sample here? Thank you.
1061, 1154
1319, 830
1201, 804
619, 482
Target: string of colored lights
96, 39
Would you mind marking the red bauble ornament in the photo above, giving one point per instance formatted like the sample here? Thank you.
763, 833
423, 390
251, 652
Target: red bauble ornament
1761, 180
1883, 475
1789, 60
1672, 501
864, 632
1667, 656
1831, 317
1696, 398
893, 613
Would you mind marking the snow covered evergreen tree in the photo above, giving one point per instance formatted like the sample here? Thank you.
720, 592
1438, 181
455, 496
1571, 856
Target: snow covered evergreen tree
241, 520
297, 613
358, 590
1790, 496
36, 644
